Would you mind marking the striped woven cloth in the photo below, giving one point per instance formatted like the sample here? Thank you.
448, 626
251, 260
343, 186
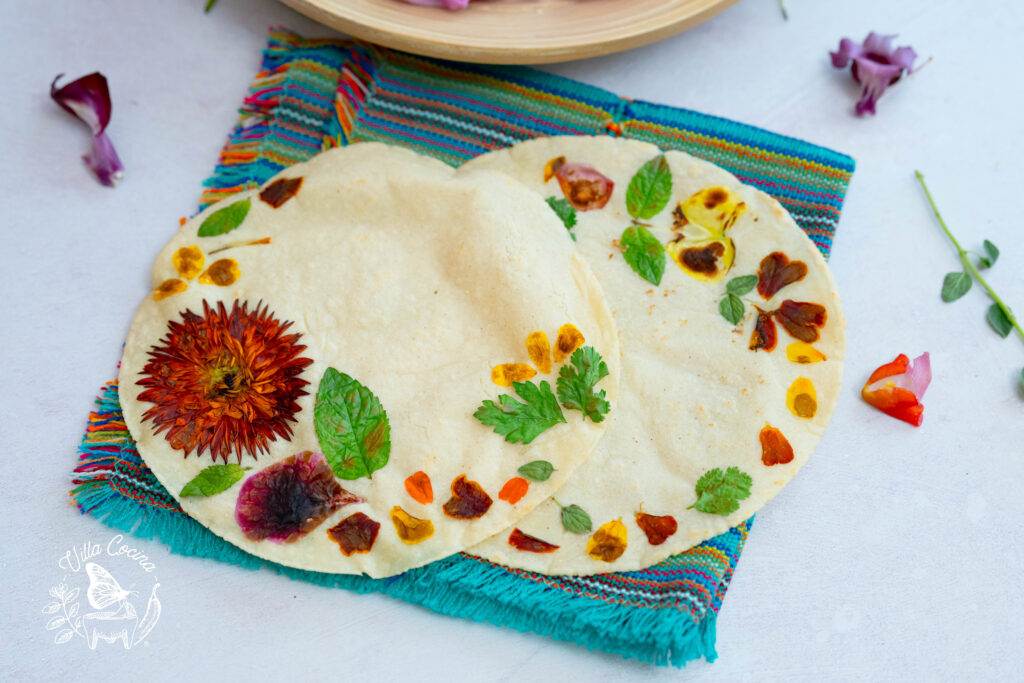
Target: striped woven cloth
314, 94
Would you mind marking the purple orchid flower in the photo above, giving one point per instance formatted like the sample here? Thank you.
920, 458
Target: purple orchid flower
876, 66
88, 100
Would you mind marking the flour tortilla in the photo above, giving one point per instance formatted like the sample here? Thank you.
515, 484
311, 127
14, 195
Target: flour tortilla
693, 396
415, 280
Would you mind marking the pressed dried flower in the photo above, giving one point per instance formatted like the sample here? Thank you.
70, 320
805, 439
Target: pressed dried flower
226, 380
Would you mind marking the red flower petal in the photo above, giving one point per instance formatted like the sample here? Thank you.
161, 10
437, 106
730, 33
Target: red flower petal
896, 388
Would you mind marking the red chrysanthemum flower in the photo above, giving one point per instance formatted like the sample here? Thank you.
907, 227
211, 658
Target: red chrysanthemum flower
225, 380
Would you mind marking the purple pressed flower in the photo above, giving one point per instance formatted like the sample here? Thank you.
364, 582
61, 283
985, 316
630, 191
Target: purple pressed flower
876, 66
447, 4
88, 100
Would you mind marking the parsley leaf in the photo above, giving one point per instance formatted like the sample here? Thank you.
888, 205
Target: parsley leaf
563, 209
719, 493
522, 422
576, 382
644, 253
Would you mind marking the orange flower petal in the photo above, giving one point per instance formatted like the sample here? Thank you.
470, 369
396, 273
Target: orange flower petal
169, 288
657, 528
775, 448
569, 339
503, 375
539, 348
803, 353
188, 261
222, 273
514, 490
419, 487
802, 399
551, 168
411, 530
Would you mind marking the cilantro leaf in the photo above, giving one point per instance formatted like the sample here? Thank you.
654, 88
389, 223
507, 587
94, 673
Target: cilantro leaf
518, 421
644, 253
576, 381
563, 209
719, 493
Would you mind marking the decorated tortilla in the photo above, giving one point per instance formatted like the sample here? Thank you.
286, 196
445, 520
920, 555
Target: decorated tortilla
732, 340
345, 369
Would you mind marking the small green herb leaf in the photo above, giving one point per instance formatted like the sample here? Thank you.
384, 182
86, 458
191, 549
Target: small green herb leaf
351, 426
563, 209
992, 251
212, 480
984, 263
644, 253
576, 381
741, 285
209, 5
650, 189
731, 308
522, 422
955, 286
576, 520
538, 470
719, 493
999, 320
225, 220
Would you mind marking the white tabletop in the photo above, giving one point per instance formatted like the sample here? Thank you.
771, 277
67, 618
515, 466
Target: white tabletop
896, 553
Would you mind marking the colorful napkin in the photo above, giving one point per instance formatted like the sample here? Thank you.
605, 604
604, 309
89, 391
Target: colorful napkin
313, 94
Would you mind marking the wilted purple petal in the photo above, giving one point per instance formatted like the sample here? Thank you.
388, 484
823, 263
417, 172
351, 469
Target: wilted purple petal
447, 4
875, 65
88, 100
290, 498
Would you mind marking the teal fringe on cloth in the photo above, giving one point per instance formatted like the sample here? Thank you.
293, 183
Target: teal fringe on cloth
313, 94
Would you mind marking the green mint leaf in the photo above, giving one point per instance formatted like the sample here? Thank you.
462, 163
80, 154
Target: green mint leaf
984, 263
576, 520
955, 286
212, 480
992, 251
351, 426
741, 285
225, 220
999, 320
538, 470
719, 493
650, 189
576, 381
522, 422
731, 308
644, 253
563, 209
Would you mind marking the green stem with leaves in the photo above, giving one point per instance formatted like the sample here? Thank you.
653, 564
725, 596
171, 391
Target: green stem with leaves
964, 258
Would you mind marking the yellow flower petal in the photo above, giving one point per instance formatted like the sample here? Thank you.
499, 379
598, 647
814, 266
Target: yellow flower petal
188, 261
715, 209
802, 352
707, 260
802, 399
608, 542
411, 530
222, 273
503, 375
569, 339
539, 348
169, 288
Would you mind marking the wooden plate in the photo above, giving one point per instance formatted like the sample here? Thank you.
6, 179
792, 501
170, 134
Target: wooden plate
512, 31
